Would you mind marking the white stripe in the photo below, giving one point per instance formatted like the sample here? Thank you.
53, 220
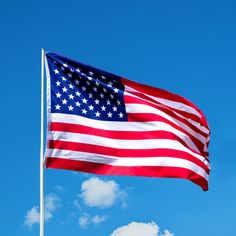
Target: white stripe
114, 161
116, 125
106, 125
144, 126
124, 144
143, 108
195, 123
118, 143
176, 105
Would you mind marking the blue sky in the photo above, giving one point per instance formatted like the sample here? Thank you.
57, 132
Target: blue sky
187, 47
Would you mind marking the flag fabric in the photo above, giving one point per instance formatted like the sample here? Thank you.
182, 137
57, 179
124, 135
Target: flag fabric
105, 124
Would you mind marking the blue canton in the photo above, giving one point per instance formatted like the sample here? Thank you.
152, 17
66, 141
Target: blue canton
85, 91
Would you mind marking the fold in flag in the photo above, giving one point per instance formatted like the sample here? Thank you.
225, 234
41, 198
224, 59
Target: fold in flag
102, 123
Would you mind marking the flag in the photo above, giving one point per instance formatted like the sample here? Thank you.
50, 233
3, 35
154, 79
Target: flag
102, 123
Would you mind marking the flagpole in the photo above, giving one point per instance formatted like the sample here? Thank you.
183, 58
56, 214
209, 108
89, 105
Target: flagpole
42, 147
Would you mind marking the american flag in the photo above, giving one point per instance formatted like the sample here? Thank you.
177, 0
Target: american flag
105, 124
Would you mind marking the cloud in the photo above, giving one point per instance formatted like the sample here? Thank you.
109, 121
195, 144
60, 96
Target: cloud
167, 233
98, 219
76, 203
59, 188
140, 229
52, 203
31, 217
137, 229
84, 221
101, 193
87, 219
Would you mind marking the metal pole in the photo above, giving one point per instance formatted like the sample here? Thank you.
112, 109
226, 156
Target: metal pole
42, 148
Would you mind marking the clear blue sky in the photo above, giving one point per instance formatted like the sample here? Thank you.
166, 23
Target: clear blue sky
187, 47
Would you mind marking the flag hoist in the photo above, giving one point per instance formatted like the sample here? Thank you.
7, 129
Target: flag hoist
42, 146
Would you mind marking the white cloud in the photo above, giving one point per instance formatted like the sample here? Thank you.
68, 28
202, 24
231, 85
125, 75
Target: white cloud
32, 217
84, 221
101, 193
76, 203
87, 219
140, 229
58, 188
167, 233
137, 229
52, 203
97, 219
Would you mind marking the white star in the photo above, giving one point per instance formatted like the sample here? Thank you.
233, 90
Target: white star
97, 83
58, 83
121, 115
114, 108
76, 81
84, 100
71, 70
101, 95
103, 108
90, 78
91, 107
54, 62
64, 89
71, 86
95, 89
91, 73
103, 77
77, 93
108, 102
78, 69
58, 107
97, 114
112, 96
90, 95
87, 82
84, 88
71, 108
97, 101
62, 68
70, 75
118, 102
109, 114
84, 111
105, 90
56, 71
64, 101
63, 78
110, 84
58, 95
116, 90
77, 104
71, 96
65, 65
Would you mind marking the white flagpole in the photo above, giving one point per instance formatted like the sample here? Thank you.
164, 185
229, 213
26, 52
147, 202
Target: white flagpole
42, 148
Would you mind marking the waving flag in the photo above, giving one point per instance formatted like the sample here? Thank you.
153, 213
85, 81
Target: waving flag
105, 124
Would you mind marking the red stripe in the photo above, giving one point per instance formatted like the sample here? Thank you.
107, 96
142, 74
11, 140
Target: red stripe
124, 135
187, 115
148, 171
156, 92
136, 100
114, 134
143, 117
96, 149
